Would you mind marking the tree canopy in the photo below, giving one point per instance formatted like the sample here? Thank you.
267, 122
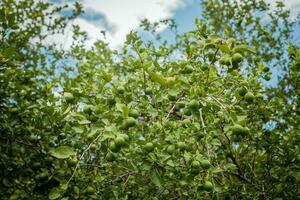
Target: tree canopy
191, 119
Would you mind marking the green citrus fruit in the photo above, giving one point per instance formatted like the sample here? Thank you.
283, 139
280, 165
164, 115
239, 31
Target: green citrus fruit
239, 130
33, 138
249, 97
93, 147
182, 146
242, 91
171, 149
110, 157
205, 67
90, 136
120, 141
129, 122
113, 147
195, 164
194, 105
120, 90
205, 164
225, 60
208, 186
68, 97
133, 113
237, 57
72, 161
90, 190
149, 146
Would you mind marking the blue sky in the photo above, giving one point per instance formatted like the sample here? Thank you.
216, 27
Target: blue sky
119, 17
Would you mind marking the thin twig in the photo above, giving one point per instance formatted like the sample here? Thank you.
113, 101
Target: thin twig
173, 107
214, 98
82, 155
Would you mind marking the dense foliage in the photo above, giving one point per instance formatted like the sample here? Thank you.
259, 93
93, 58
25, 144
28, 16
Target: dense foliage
152, 121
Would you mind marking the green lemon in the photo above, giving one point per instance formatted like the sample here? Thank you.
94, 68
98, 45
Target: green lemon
171, 149
239, 130
205, 67
182, 146
68, 97
225, 60
90, 190
110, 157
195, 164
121, 89
120, 141
33, 138
90, 136
133, 113
149, 146
93, 147
194, 105
205, 164
237, 57
72, 161
242, 91
208, 186
129, 122
249, 97
113, 147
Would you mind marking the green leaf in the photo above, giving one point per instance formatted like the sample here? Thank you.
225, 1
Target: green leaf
55, 193
62, 152
243, 48
224, 48
84, 122
155, 178
157, 78
230, 167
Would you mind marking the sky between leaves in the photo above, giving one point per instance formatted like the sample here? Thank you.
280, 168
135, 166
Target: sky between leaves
118, 17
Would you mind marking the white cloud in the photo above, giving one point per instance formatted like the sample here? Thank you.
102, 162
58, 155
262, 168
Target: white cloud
293, 5
124, 16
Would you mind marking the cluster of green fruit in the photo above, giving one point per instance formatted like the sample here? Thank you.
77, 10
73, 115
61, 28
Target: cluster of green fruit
196, 166
247, 95
228, 60
188, 108
239, 132
129, 122
115, 145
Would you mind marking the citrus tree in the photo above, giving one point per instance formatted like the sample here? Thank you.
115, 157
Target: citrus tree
163, 121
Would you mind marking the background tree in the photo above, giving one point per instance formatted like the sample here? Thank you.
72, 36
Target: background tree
163, 121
